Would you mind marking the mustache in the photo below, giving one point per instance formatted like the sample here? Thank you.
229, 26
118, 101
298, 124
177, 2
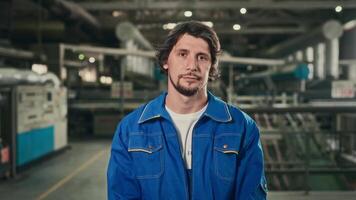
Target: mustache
189, 74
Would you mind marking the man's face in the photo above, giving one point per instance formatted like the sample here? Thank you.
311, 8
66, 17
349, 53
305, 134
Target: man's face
188, 65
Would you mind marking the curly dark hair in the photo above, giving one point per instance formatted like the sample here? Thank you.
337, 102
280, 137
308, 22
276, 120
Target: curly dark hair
196, 29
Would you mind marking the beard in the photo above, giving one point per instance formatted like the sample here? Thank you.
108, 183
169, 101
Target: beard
185, 90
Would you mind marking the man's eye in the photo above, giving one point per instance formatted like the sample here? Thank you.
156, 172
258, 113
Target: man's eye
182, 54
204, 58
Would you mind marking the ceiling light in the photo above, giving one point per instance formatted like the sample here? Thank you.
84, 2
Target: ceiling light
236, 27
208, 23
338, 8
188, 13
81, 56
171, 26
39, 68
106, 80
243, 11
92, 60
116, 13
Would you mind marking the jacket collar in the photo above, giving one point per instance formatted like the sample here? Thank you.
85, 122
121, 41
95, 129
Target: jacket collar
216, 110
154, 109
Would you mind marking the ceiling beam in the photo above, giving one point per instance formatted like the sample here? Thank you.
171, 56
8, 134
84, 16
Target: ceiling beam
215, 5
263, 31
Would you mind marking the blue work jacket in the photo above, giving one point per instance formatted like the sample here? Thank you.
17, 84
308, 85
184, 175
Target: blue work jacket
227, 160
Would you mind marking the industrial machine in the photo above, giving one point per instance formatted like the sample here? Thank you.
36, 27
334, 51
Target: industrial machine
41, 121
5, 132
33, 117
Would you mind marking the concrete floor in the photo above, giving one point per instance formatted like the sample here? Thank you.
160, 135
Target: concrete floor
76, 174
80, 173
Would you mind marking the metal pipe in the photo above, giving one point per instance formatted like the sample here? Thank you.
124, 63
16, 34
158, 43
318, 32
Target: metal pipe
151, 54
71, 10
312, 171
126, 31
328, 31
29, 29
304, 108
251, 61
15, 76
319, 61
213, 5
109, 51
16, 53
299, 72
332, 58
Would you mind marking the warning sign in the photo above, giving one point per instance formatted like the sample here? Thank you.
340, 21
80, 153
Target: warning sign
343, 89
5, 155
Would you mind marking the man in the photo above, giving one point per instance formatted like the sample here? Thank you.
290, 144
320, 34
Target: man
186, 143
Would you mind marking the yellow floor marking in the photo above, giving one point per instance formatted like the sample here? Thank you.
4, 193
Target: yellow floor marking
70, 176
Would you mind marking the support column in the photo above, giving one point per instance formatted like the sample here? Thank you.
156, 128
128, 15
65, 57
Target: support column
332, 58
319, 61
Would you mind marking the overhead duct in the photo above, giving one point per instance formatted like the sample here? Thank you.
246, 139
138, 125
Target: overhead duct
11, 76
28, 29
227, 58
325, 42
292, 72
16, 53
71, 11
50, 77
126, 31
348, 49
328, 31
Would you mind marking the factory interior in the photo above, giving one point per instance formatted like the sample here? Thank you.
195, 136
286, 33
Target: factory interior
70, 70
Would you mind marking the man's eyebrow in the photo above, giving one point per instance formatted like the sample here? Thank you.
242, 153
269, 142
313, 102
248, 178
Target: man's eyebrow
204, 54
182, 49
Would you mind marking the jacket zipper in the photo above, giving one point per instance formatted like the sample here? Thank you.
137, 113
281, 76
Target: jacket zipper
185, 179
192, 171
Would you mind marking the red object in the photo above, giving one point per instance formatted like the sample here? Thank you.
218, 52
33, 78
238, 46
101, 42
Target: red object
5, 155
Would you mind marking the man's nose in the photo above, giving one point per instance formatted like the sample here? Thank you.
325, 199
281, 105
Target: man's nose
192, 63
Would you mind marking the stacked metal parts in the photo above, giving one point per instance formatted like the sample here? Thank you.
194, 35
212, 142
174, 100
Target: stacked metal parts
302, 153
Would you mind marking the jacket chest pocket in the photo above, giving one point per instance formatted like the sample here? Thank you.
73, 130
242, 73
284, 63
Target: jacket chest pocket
147, 155
226, 153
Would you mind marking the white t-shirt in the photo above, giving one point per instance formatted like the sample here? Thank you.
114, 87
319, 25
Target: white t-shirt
184, 124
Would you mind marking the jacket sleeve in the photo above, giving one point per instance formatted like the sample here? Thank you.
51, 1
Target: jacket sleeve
251, 182
121, 181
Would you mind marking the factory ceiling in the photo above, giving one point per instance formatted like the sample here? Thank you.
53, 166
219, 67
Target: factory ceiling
245, 27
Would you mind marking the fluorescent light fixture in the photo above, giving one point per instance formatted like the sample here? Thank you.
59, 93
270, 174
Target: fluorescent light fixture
208, 23
236, 27
92, 60
39, 68
106, 80
116, 13
188, 13
88, 74
169, 26
338, 8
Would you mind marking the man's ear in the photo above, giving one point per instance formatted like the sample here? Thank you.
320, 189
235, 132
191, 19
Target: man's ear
165, 66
